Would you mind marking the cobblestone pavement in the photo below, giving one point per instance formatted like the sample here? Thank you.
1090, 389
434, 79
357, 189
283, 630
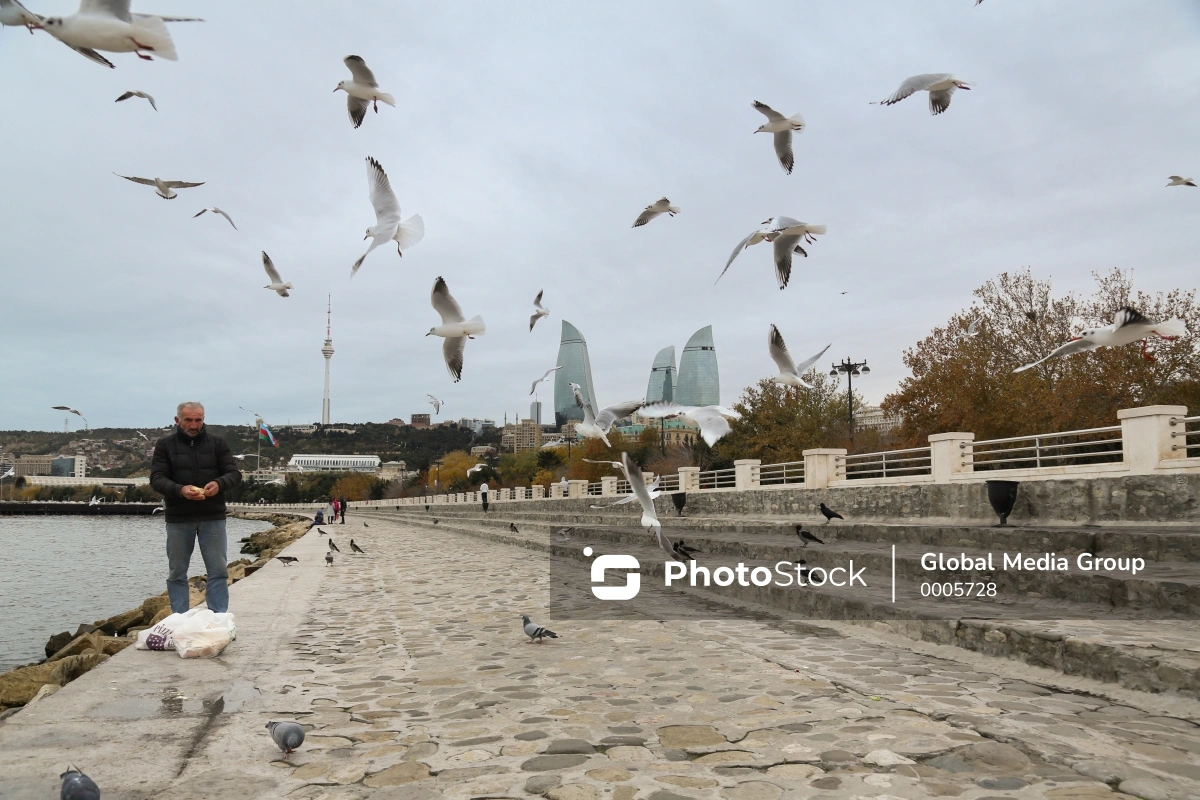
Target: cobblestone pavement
415, 680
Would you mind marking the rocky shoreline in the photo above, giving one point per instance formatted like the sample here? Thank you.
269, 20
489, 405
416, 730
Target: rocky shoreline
69, 655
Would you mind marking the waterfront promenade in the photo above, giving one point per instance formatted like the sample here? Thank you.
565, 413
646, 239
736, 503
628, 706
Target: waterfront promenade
411, 671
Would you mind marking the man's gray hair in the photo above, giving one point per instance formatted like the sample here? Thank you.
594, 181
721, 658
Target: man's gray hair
188, 404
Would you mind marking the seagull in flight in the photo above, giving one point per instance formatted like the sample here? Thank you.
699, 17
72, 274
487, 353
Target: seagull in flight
782, 128
711, 419
388, 226
475, 469
1175, 180
13, 14
108, 25
455, 328
539, 313
135, 93
637, 485
437, 404
788, 233
789, 371
144, 436
549, 372
216, 210
973, 328
660, 206
597, 426
362, 91
276, 285
164, 189
940, 85
1128, 326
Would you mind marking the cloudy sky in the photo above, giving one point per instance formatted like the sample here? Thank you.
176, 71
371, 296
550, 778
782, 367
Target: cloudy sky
529, 136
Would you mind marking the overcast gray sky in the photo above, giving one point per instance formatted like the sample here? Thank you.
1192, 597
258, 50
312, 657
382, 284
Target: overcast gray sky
529, 136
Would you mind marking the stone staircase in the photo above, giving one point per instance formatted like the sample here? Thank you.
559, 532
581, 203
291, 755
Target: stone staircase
1140, 631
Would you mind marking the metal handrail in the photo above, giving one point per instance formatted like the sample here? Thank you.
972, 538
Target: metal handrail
1184, 433
782, 473
860, 465
1108, 429
882, 453
669, 483
623, 487
1050, 446
595, 488
718, 479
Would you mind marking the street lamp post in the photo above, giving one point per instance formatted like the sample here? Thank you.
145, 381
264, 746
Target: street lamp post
70, 410
851, 369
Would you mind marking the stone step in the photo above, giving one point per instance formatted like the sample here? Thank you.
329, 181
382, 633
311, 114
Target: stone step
1152, 543
1086, 639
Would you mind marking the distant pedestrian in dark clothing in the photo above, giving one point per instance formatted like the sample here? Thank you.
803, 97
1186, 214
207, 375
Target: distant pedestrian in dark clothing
192, 469
483, 490
319, 517
342, 508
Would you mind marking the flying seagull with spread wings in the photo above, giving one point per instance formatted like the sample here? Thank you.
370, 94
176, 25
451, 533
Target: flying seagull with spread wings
789, 371
1128, 326
597, 426
388, 226
781, 127
276, 285
455, 328
164, 189
549, 372
940, 85
362, 90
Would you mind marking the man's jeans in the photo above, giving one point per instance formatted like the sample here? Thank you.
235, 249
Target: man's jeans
181, 540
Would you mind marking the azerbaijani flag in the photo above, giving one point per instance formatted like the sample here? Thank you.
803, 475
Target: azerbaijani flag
265, 435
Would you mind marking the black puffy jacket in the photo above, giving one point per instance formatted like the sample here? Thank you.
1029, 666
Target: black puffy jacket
180, 460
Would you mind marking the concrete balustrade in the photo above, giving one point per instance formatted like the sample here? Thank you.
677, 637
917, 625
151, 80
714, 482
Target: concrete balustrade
745, 474
822, 466
608, 485
689, 479
577, 489
948, 456
1146, 437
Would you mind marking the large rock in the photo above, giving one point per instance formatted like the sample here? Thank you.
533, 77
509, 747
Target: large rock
116, 626
57, 642
96, 642
21, 685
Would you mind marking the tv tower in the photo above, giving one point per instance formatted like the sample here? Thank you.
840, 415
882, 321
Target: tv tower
327, 351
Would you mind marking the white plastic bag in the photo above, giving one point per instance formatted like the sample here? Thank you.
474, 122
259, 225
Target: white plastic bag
204, 643
159, 637
203, 634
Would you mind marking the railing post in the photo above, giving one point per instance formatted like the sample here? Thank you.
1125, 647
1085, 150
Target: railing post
1146, 437
689, 479
821, 466
947, 456
539, 492
647, 478
577, 489
608, 485
745, 476
556, 490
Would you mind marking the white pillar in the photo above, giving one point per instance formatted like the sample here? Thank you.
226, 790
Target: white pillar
577, 489
608, 485
647, 478
1146, 437
745, 474
689, 478
950, 454
821, 466
539, 492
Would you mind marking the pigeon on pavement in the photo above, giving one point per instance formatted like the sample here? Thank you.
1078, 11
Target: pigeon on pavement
333, 546
356, 549
512, 526
329, 558
688, 553
830, 514
77, 786
287, 734
536, 632
287, 560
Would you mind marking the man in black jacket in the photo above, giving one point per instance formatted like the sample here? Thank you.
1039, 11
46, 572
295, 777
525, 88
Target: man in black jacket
191, 469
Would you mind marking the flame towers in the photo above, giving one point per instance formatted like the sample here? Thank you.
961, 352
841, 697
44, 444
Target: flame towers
699, 384
576, 368
662, 376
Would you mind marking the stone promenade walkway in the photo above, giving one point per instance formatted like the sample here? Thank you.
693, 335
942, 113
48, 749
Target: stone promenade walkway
410, 669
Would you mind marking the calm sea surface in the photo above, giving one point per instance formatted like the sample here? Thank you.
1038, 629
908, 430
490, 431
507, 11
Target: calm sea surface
56, 572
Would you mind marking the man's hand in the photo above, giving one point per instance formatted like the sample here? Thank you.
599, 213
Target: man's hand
192, 493
211, 488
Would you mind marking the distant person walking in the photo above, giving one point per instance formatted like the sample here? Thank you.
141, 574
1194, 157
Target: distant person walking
483, 490
192, 469
342, 508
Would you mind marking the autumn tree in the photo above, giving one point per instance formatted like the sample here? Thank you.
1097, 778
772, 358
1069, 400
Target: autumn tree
966, 383
779, 422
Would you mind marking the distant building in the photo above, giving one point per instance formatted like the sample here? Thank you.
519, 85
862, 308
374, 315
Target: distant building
308, 429
69, 466
527, 435
333, 463
33, 465
874, 418
476, 425
397, 422
340, 430
482, 450
70, 480
420, 420
674, 432
699, 384
535, 411
662, 376
395, 471
576, 368
567, 431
